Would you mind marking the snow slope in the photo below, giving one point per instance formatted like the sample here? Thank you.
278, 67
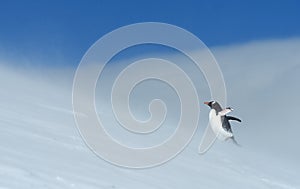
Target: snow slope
40, 147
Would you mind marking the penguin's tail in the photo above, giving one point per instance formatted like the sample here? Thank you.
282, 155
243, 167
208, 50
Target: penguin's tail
235, 142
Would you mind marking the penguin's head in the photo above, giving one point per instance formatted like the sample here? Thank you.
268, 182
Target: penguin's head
210, 104
214, 105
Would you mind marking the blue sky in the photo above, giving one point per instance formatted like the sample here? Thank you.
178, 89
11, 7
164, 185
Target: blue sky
59, 32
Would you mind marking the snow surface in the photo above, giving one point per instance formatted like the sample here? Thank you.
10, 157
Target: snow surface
40, 147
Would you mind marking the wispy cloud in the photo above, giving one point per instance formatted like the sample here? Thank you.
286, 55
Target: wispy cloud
262, 83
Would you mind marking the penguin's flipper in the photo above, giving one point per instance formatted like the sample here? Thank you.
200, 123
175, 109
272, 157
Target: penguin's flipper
233, 118
225, 111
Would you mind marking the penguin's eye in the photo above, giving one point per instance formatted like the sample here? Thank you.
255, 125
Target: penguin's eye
213, 102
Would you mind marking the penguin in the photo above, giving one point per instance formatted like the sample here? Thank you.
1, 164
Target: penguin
219, 121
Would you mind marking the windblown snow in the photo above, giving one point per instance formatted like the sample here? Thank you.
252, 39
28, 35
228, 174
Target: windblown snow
40, 146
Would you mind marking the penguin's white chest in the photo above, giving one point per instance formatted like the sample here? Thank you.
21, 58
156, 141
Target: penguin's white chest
216, 125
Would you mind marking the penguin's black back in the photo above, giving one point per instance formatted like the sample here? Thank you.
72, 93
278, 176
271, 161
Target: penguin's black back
225, 123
